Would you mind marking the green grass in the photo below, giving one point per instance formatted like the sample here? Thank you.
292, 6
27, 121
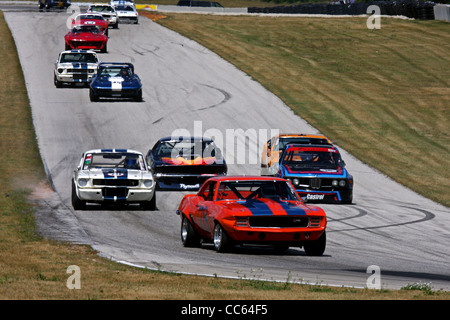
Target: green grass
382, 95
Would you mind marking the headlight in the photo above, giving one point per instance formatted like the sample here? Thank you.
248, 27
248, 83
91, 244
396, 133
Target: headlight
148, 183
83, 182
342, 183
295, 181
60, 70
334, 183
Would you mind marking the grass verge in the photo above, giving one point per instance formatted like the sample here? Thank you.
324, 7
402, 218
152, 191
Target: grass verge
35, 268
382, 95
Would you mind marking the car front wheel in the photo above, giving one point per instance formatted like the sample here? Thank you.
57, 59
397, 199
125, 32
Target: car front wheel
189, 237
317, 247
221, 240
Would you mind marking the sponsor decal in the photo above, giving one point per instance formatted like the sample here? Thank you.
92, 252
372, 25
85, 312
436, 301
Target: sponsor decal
315, 196
189, 186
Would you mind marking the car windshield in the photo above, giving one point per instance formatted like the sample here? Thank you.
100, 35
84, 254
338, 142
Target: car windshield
81, 29
113, 160
102, 9
312, 157
257, 189
186, 149
115, 72
90, 17
124, 8
300, 140
78, 57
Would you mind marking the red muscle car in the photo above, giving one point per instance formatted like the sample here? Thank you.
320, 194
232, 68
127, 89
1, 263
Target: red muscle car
86, 37
91, 19
244, 210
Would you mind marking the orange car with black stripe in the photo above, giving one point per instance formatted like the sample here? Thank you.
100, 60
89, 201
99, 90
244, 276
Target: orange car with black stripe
272, 148
248, 210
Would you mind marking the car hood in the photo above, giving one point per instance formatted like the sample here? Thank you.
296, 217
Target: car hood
301, 170
77, 65
260, 207
88, 36
119, 173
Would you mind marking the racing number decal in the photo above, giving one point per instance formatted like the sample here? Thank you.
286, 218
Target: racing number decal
203, 217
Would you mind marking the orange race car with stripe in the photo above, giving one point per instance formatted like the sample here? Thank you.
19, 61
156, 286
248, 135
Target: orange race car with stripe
248, 210
273, 147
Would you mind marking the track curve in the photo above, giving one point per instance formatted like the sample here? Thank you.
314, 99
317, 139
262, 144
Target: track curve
388, 225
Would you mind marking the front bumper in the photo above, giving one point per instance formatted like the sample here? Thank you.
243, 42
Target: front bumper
119, 194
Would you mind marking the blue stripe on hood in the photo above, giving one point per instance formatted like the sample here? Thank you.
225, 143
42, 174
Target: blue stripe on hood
115, 173
257, 207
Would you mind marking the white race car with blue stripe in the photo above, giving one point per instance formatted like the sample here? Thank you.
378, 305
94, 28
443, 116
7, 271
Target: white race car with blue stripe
75, 66
113, 176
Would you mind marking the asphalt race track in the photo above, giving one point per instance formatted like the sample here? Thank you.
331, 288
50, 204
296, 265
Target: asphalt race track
185, 86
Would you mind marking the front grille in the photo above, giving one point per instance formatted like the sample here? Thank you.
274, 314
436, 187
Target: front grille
116, 182
78, 71
278, 222
115, 192
315, 183
323, 184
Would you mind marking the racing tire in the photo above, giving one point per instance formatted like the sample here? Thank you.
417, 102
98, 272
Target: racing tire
221, 240
149, 205
92, 96
189, 237
77, 204
57, 83
317, 247
138, 97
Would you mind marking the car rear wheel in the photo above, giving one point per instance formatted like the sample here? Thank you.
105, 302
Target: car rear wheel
221, 240
317, 247
189, 237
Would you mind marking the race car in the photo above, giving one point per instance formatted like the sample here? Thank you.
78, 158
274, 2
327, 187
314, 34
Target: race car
317, 172
127, 13
113, 176
86, 37
273, 147
107, 11
91, 19
48, 4
75, 66
245, 210
115, 80
184, 163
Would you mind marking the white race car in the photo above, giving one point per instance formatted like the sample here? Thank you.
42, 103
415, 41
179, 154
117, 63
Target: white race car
127, 12
75, 66
113, 176
107, 11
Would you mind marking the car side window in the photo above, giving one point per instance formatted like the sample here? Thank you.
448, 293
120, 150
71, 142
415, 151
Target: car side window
207, 192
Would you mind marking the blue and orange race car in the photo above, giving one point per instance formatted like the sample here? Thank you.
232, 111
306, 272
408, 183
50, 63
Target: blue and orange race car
248, 210
317, 172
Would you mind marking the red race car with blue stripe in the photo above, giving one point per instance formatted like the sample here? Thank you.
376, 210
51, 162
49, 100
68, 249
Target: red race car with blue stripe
246, 210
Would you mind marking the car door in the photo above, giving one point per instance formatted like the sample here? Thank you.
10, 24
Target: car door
202, 217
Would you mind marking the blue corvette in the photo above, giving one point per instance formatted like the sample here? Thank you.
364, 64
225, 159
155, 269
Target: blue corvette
115, 80
317, 172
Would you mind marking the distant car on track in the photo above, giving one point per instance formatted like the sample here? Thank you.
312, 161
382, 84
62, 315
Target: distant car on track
127, 13
107, 11
86, 37
91, 19
75, 66
184, 163
115, 80
251, 210
48, 4
113, 176
317, 172
274, 147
